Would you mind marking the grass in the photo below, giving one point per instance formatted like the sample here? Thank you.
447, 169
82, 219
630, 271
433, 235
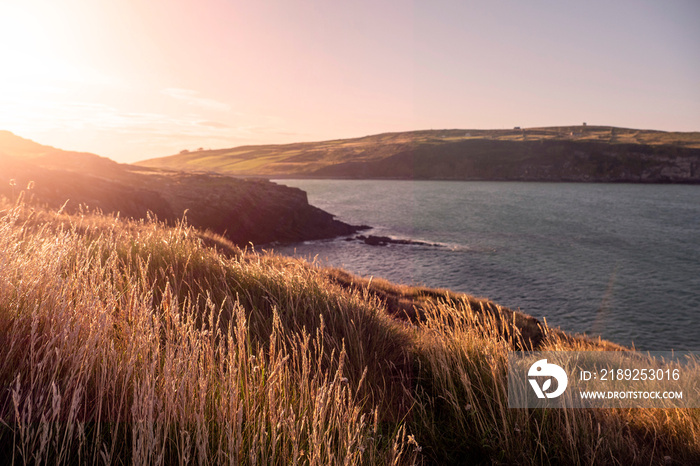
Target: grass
127, 342
315, 159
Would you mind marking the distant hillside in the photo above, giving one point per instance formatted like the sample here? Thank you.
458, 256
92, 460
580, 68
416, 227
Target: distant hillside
571, 153
244, 211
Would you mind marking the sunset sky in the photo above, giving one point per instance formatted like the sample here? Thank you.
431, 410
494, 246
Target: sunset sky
133, 79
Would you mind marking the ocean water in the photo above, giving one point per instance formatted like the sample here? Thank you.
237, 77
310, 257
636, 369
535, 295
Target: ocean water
617, 260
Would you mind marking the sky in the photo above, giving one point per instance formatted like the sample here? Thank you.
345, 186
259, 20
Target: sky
134, 79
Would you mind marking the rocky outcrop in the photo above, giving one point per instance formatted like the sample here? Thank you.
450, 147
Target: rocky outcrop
246, 211
373, 240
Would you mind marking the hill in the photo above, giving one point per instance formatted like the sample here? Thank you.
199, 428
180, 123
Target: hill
244, 211
137, 343
571, 153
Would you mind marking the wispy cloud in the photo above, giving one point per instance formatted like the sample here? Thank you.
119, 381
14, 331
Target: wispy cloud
213, 124
192, 98
128, 135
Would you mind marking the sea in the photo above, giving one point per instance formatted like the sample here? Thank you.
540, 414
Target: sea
620, 261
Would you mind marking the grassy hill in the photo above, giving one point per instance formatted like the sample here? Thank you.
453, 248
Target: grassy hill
131, 342
571, 153
244, 211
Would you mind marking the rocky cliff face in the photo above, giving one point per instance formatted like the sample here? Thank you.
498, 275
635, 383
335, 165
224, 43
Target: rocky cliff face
531, 161
257, 211
245, 211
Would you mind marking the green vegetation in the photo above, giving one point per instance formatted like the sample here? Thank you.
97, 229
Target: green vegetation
570, 153
133, 342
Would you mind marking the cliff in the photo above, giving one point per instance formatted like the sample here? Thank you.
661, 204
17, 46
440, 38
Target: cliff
245, 211
541, 160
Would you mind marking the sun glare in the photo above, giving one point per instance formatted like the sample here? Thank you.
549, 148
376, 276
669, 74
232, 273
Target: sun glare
31, 57
23, 37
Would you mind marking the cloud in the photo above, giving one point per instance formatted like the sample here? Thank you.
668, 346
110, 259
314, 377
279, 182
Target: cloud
192, 98
128, 135
213, 124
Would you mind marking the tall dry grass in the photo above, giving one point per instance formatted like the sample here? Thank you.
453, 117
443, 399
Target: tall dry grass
131, 343
128, 342
461, 405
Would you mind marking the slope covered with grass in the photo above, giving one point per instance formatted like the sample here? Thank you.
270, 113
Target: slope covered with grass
562, 153
244, 211
128, 342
